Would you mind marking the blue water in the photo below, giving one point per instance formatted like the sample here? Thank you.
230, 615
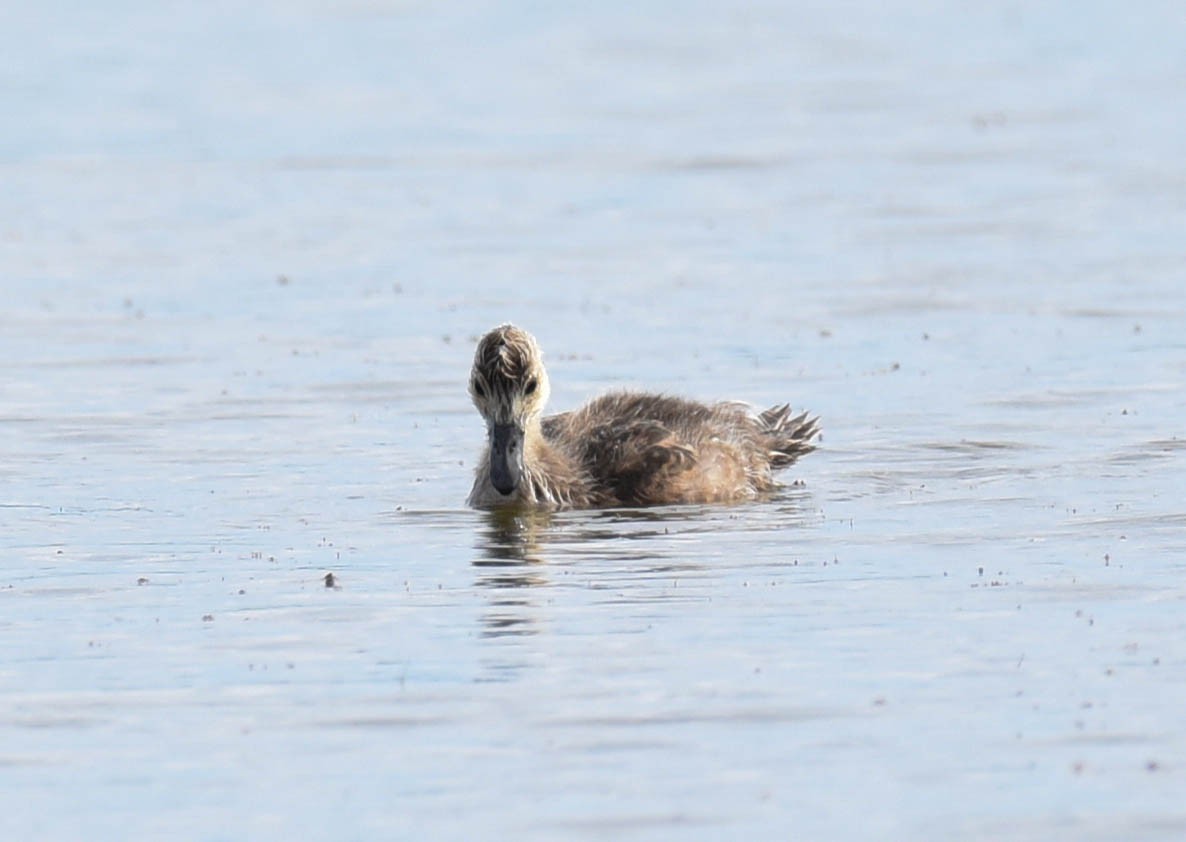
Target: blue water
245, 255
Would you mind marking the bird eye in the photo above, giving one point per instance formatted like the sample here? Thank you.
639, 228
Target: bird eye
531, 384
479, 390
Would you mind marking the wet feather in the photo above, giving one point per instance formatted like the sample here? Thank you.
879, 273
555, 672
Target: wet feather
625, 448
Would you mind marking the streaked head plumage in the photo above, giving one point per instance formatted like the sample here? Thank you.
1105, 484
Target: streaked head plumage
508, 383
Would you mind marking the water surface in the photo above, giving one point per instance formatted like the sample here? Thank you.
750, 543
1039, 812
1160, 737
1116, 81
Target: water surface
245, 257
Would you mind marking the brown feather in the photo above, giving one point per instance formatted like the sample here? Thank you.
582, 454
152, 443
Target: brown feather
630, 448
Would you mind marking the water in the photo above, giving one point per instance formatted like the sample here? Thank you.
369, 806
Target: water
245, 256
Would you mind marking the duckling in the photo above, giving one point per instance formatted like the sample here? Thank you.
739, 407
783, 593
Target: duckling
621, 449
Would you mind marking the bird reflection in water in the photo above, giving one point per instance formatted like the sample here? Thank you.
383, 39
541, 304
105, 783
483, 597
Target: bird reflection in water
509, 564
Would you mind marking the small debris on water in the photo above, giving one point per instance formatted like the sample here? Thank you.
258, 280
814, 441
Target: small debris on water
207, 618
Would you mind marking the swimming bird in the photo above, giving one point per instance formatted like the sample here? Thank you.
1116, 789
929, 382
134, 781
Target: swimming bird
621, 449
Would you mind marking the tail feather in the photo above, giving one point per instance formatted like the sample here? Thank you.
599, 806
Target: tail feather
789, 435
